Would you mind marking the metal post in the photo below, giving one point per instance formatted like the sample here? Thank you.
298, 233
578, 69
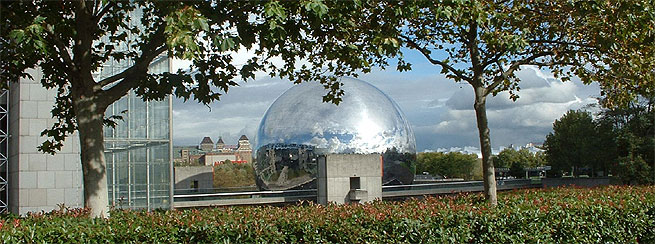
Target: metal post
171, 169
148, 163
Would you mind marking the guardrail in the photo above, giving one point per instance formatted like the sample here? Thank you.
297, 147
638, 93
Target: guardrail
243, 198
292, 196
402, 191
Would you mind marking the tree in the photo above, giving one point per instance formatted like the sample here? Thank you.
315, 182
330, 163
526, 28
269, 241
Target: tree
618, 141
633, 131
69, 41
571, 145
483, 43
516, 161
451, 165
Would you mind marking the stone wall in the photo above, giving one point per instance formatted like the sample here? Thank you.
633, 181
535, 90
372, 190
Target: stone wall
336, 173
37, 181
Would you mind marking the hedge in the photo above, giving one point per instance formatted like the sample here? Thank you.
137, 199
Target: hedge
559, 215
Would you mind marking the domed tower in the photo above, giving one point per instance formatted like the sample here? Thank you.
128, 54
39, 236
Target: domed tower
244, 151
206, 145
220, 145
243, 144
299, 128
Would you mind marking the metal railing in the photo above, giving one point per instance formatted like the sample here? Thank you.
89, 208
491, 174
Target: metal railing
292, 196
243, 198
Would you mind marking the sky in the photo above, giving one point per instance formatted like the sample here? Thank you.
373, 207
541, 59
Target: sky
439, 110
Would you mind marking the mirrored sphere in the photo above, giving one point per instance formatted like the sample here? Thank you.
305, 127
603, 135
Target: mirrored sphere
299, 127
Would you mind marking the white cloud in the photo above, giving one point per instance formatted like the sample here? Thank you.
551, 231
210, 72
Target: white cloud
542, 101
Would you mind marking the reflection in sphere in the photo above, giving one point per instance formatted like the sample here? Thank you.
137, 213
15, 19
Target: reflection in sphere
299, 127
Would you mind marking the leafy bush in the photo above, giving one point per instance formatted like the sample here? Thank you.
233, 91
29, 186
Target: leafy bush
517, 160
231, 174
559, 215
450, 165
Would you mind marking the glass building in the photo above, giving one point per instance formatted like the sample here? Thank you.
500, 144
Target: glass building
138, 150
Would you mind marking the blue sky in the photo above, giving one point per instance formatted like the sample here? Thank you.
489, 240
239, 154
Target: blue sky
440, 110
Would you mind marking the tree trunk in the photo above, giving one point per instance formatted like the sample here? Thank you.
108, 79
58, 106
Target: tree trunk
485, 146
90, 126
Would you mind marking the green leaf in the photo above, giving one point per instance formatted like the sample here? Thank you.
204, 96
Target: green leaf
17, 35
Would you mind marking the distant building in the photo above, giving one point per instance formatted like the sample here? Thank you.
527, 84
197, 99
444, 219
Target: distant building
194, 159
207, 153
218, 158
243, 144
243, 150
206, 145
220, 145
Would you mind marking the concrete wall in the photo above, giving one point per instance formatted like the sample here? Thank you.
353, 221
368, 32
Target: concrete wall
37, 181
582, 182
184, 177
335, 172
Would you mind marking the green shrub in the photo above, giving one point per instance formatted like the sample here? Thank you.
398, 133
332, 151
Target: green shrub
230, 174
560, 215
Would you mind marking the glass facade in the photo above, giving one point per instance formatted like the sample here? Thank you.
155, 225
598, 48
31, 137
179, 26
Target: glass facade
138, 150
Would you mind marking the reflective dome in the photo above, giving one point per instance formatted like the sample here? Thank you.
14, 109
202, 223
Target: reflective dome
299, 127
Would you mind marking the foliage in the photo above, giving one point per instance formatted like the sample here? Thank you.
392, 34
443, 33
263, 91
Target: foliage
450, 165
575, 143
633, 127
516, 161
619, 141
634, 169
186, 163
484, 43
230, 174
70, 41
623, 60
555, 215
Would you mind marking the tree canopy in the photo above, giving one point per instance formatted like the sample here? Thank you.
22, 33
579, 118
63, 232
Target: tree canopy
70, 41
573, 144
481, 42
449, 165
484, 42
618, 141
518, 160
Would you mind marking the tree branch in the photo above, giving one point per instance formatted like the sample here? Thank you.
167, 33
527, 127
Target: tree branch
542, 64
103, 11
63, 52
512, 68
559, 43
486, 62
474, 52
127, 78
111, 79
426, 54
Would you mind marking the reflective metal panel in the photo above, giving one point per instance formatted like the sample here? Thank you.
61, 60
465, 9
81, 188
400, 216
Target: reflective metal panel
299, 127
